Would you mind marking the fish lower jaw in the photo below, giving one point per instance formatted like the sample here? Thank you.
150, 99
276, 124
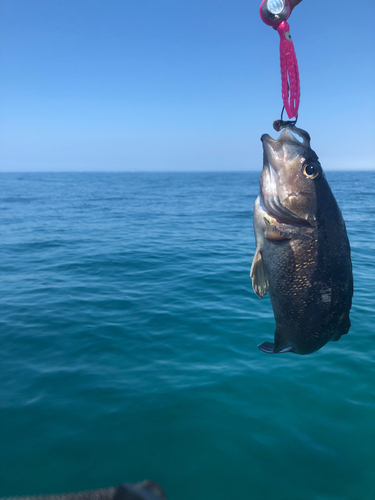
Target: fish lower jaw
273, 207
268, 181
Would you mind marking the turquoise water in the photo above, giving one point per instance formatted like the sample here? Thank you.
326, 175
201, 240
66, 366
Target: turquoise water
129, 335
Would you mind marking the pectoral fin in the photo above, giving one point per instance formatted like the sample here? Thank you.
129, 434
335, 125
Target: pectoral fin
259, 276
274, 233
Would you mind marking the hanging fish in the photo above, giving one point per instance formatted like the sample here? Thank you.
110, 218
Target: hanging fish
302, 250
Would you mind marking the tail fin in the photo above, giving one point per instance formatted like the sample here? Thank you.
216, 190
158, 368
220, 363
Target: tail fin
269, 348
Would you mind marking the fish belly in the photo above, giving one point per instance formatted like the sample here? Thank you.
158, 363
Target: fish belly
306, 296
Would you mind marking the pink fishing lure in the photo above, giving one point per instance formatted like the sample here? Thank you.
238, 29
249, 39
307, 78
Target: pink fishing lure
290, 88
275, 13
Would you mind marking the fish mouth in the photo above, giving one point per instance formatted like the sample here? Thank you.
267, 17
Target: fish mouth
291, 143
276, 154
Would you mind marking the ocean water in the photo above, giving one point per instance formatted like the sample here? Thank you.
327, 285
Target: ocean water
129, 334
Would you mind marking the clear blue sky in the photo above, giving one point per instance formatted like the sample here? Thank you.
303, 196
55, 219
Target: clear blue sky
171, 85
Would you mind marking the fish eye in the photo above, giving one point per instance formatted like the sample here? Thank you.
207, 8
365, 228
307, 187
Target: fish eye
310, 170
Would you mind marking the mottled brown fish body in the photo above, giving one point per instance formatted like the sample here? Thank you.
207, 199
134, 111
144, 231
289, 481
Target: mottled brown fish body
303, 253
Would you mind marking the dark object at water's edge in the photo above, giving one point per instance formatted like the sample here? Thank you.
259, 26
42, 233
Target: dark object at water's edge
146, 490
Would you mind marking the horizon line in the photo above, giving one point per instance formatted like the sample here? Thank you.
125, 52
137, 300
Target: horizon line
160, 171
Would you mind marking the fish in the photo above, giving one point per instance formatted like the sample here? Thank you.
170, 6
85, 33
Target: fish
302, 256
